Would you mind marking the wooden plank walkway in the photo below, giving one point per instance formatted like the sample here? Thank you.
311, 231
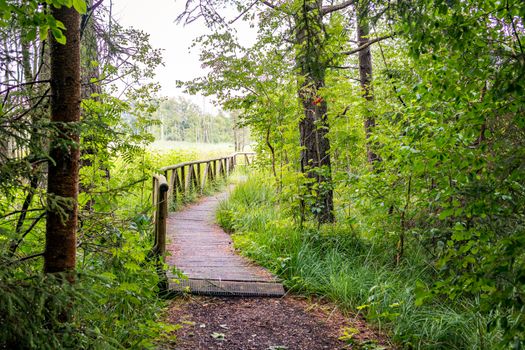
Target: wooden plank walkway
204, 253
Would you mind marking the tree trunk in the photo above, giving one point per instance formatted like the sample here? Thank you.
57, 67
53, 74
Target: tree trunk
90, 89
33, 177
62, 185
90, 54
315, 153
365, 77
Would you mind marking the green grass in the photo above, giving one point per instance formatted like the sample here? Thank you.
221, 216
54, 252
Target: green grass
202, 150
115, 302
356, 273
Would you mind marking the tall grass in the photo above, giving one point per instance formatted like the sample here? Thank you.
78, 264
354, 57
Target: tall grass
355, 272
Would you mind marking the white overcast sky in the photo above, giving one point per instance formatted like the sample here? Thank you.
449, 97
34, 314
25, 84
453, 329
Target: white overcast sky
157, 18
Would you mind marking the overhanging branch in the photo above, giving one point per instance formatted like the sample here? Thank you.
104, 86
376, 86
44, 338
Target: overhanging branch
367, 44
332, 8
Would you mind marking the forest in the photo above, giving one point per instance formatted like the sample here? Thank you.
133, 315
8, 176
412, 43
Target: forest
180, 119
388, 181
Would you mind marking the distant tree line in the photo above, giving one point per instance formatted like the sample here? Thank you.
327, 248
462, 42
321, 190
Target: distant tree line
182, 120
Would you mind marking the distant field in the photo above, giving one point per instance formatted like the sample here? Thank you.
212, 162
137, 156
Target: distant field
199, 148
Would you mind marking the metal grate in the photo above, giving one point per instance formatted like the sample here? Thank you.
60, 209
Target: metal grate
228, 288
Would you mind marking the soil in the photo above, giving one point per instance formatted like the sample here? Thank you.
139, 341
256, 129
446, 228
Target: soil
289, 323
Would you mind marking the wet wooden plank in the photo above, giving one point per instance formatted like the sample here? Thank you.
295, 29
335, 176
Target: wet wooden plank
203, 252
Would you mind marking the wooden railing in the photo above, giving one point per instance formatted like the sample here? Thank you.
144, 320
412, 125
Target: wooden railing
181, 179
160, 214
188, 176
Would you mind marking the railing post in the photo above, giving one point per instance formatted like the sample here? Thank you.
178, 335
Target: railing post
219, 169
205, 175
188, 180
163, 216
173, 186
199, 175
195, 177
182, 181
160, 204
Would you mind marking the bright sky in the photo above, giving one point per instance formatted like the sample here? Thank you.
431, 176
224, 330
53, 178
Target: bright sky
157, 17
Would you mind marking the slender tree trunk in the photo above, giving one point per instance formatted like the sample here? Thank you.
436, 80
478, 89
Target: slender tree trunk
315, 153
33, 178
89, 90
90, 53
365, 75
37, 143
62, 185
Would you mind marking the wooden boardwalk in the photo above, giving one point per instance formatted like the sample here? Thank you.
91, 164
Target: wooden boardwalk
204, 253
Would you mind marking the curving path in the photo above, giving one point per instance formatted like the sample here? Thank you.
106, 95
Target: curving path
204, 253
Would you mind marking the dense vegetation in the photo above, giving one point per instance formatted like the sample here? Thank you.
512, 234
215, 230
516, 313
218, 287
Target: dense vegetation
390, 179
341, 263
113, 302
403, 123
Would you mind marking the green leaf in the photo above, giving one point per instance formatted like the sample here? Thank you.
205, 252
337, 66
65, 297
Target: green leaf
59, 25
421, 292
43, 32
31, 35
80, 6
59, 36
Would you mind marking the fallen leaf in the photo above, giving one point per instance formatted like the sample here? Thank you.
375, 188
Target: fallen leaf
218, 336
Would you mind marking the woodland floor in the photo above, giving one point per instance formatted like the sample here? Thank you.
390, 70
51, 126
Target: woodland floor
290, 323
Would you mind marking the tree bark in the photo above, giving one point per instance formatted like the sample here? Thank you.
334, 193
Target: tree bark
315, 153
365, 76
90, 53
62, 185
89, 90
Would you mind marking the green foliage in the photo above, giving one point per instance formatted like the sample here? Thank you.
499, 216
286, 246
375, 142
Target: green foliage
33, 15
109, 298
357, 273
447, 194
114, 301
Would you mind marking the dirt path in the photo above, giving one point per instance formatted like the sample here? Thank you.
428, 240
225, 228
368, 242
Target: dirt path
287, 323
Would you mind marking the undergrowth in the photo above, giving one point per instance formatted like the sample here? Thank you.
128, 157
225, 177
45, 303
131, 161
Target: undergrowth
114, 302
353, 270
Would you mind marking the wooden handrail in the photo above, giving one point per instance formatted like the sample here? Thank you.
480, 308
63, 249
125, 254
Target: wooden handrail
180, 179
